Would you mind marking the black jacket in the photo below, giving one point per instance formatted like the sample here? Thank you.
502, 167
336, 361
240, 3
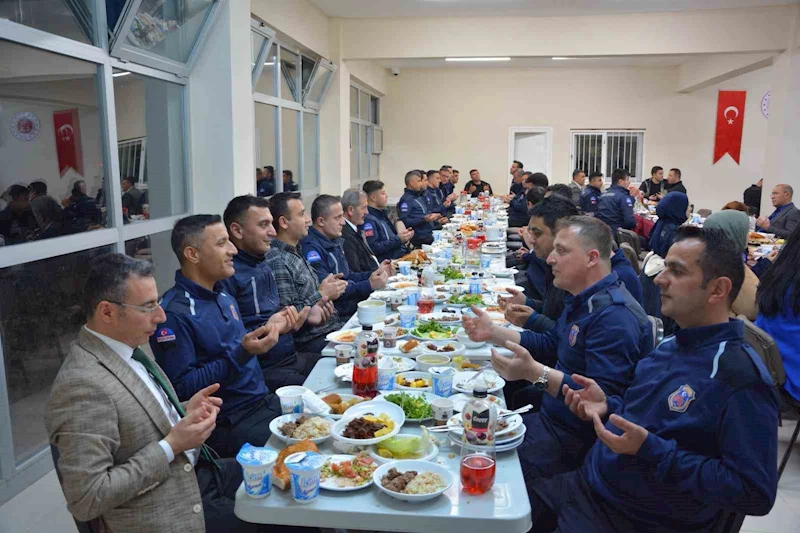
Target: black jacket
752, 199
677, 187
359, 256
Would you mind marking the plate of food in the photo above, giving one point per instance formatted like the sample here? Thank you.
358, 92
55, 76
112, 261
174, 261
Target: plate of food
392, 320
404, 347
405, 447
463, 300
503, 446
503, 289
402, 364
760, 238
339, 402
503, 272
417, 258
369, 423
489, 379
345, 473
296, 427
415, 404
413, 481
433, 331
461, 362
383, 296
402, 277
440, 297
505, 425
461, 399
445, 319
418, 381
449, 348
397, 285
346, 336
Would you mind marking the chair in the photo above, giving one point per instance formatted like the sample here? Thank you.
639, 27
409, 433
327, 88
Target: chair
631, 255
658, 329
705, 213
626, 235
92, 526
765, 347
728, 523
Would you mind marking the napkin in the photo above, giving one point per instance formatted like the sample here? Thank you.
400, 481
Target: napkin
314, 405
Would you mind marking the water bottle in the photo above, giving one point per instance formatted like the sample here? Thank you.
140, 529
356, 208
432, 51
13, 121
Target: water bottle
752, 223
478, 465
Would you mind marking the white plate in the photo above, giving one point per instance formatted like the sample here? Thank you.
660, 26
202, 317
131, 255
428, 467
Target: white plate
429, 397
503, 447
501, 289
438, 318
345, 371
403, 364
330, 483
278, 421
392, 320
402, 277
461, 399
403, 285
493, 382
410, 377
396, 350
503, 272
431, 454
420, 467
344, 396
376, 408
459, 348
383, 296
333, 336
514, 423
453, 332
441, 297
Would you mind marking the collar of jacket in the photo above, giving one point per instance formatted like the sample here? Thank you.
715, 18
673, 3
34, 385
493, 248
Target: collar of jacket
575, 302
248, 258
380, 213
325, 242
193, 288
714, 334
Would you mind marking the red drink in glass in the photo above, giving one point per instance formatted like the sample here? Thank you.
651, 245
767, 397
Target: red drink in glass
365, 381
477, 473
425, 306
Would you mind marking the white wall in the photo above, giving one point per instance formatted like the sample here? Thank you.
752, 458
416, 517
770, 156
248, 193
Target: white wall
299, 19
461, 117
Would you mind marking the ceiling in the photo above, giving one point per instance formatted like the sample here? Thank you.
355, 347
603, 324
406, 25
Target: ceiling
530, 8
544, 62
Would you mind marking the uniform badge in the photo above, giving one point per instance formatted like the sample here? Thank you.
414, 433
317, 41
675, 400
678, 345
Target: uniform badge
630, 202
404, 207
679, 400
593, 200
573, 334
368, 230
165, 335
233, 312
312, 256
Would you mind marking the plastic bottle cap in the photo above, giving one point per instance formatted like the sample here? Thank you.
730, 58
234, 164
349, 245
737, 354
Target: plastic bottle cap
479, 392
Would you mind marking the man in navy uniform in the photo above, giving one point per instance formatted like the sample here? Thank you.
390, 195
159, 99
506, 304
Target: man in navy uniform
615, 207
204, 340
591, 195
694, 437
382, 236
437, 202
253, 285
602, 331
322, 248
412, 210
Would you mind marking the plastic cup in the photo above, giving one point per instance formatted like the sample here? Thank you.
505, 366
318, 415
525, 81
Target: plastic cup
408, 314
343, 352
442, 380
389, 337
291, 398
257, 466
412, 295
304, 474
405, 267
474, 286
386, 373
442, 410
437, 235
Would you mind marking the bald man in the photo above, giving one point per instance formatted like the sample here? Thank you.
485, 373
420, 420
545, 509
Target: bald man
785, 217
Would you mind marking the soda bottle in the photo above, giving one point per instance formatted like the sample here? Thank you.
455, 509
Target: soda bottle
478, 464
365, 363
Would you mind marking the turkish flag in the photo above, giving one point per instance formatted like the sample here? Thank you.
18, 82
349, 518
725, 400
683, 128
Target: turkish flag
730, 124
68, 141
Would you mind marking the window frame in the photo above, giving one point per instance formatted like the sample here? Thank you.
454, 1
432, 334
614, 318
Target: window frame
322, 66
604, 133
371, 127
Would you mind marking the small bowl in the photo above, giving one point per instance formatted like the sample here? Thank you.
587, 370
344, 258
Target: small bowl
410, 376
371, 311
428, 360
463, 338
419, 466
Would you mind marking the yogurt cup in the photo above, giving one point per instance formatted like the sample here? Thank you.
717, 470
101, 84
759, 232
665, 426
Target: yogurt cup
408, 314
412, 295
257, 466
291, 398
405, 267
474, 286
442, 380
304, 474
386, 373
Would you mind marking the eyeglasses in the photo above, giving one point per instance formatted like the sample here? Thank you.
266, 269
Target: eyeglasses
143, 308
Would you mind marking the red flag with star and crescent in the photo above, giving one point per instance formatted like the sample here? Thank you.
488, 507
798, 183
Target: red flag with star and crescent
730, 124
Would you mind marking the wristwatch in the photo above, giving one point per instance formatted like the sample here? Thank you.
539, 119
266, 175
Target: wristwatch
541, 383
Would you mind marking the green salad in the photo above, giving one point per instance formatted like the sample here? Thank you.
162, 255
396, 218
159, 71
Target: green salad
451, 273
415, 407
466, 299
434, 330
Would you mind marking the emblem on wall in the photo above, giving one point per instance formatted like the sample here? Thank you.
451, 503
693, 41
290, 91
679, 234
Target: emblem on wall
765, 104
25, 126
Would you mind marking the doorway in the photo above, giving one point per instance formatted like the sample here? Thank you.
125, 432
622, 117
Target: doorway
533, 146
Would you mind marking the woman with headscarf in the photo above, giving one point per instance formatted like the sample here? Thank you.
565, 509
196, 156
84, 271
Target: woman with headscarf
671, 213
736, 225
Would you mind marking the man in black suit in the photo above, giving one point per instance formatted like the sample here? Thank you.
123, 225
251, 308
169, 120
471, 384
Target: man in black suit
358, 253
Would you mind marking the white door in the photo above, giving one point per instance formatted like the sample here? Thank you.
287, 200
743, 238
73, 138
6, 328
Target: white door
533, 147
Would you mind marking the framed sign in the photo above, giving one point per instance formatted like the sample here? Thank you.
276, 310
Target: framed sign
25, 126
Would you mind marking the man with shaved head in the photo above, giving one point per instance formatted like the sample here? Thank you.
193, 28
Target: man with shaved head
785, 217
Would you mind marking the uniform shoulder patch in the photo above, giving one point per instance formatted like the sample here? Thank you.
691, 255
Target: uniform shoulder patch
679, 400
369, 231
313, 256
573, 334
165, 335
403, 206
630, 202
233, 312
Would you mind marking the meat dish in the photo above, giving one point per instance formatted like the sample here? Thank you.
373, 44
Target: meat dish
394, 480
361, 428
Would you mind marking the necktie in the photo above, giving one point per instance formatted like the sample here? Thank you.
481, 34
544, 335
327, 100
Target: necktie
366, 245
150, 366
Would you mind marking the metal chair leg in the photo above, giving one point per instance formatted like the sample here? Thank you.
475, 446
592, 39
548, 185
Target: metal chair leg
789, 450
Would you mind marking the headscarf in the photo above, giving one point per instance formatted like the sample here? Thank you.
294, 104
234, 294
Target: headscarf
735, 224
671, 211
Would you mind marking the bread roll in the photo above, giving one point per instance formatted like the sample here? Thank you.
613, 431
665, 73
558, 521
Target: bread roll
280, 474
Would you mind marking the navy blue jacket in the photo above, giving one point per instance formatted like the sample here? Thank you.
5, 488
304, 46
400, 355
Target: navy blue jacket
590, 197
628, 276
326, 256
435, 201
411, 209
516, 188
201, 344
381, 235
602, 333
256, 293
712, 413
447, 188
615, 208
518, 211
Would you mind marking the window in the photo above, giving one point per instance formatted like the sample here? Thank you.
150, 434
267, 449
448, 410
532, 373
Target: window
157, 249
265, 150
266, 82
606, 150
366, 137
289, 82
310, 150
290, 144
315, 91
149, 109
73, 19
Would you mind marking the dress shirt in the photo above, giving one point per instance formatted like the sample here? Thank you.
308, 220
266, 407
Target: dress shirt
126, 353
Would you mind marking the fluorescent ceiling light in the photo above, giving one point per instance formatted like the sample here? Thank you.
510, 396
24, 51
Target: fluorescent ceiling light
271, 63
120, 74
477, 59
560, 58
